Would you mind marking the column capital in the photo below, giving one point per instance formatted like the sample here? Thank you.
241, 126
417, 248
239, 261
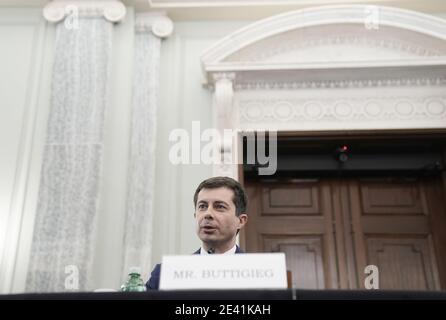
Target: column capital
223, 76
156, 22
111, 10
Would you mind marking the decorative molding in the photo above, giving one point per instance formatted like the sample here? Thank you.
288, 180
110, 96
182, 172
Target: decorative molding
223, 76
345, 109
326, 15
58, 10
274, 4
156, 22
292, 44
343, 84
322, 76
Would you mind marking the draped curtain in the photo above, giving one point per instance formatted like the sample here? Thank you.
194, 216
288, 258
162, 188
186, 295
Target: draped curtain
141, 176
66, 216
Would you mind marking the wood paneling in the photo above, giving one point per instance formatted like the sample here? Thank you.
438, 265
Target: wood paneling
331, 229
298, 223
404, 263
295, 199
304, 256
390, 197
395, 234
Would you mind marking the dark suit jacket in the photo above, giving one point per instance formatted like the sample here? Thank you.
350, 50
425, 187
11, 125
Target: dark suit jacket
154, 281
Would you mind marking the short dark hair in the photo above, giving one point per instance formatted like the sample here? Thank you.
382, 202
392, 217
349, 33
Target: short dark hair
240, 199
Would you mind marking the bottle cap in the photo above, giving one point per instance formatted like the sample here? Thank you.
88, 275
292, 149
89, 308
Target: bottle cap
135, 270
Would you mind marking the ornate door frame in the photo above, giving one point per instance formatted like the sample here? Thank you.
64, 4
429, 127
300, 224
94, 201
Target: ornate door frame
345, 68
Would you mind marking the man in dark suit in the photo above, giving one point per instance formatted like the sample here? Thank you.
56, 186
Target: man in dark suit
220, 212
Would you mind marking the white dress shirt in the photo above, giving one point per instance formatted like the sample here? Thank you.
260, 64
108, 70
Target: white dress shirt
230, 251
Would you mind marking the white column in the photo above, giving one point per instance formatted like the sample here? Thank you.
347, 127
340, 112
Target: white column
224, 119
149, 29
64, 232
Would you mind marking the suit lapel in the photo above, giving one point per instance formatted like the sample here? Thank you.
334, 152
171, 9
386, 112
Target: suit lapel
238, 250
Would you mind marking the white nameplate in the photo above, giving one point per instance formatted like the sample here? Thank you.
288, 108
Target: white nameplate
221, 271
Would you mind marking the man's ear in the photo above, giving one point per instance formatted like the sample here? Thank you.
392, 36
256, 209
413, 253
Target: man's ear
243, 218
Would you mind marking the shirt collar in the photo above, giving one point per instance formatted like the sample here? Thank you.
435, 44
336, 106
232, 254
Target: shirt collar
230, 251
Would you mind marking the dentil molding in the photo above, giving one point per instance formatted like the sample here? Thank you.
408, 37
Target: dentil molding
273, 84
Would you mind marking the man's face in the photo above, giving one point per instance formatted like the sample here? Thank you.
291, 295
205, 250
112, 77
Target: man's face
217, 223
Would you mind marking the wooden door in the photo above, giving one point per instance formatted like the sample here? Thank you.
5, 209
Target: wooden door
330, 229
295, 217
396, 225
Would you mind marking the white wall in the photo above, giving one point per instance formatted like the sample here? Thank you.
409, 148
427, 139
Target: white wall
26, 53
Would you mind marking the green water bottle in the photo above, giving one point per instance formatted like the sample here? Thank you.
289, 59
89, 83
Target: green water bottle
134, 283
